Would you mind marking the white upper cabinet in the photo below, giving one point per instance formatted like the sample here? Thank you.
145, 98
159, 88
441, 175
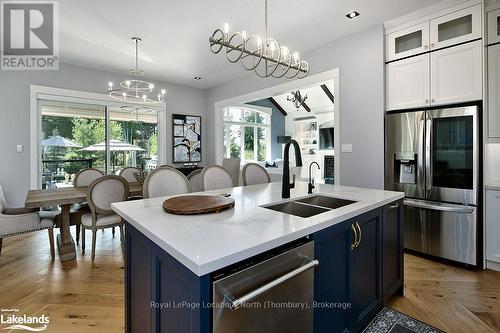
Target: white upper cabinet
494, 27
456, 74
494, 91
408, 83
455, 28
407, 42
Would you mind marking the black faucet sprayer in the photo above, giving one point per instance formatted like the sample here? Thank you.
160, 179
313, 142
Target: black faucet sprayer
286, 185
310, 185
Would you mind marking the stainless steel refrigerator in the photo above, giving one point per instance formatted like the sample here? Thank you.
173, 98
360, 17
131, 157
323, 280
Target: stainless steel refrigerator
434, 157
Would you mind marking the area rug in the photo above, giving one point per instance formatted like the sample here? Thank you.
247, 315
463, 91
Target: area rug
392, 321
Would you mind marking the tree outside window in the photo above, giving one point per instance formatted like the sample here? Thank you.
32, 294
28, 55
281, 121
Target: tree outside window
246, 133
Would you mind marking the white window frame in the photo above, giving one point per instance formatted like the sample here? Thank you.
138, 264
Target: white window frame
243, 124
38, 93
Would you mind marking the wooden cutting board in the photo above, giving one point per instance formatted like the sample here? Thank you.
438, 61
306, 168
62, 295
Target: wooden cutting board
197, 204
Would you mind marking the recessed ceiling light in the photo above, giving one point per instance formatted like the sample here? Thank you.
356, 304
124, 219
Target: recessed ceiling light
197, 78
352, 14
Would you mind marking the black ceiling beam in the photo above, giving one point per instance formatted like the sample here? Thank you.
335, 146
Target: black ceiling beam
328, 93
306, 107
277, 105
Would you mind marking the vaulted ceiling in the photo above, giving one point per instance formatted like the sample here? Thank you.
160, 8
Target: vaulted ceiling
96, 33
318, 100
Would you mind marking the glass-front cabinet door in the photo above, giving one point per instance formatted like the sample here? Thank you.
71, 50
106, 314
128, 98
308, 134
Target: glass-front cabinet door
494, 27
458, 27
407, 42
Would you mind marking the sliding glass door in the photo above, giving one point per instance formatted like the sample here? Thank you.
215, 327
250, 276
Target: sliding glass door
76, 136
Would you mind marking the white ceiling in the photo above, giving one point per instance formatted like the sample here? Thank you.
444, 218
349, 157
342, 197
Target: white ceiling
96, 33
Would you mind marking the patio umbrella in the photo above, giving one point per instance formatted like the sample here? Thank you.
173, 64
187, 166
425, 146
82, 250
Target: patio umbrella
59, 141
114, 145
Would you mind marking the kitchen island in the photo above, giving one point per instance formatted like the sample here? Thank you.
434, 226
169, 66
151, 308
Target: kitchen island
172, 260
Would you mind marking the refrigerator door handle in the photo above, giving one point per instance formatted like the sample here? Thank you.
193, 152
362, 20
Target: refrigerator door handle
420, 158
428, 153
438, 206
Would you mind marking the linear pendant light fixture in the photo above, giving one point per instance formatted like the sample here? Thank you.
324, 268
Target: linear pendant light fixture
135, 90
266, 59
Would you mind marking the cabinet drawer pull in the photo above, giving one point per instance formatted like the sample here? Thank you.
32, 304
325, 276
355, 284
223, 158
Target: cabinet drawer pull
360, 234
353, 245
396, 205
432, 45
426, 47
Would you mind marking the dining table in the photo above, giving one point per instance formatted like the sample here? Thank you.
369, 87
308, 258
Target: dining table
65, 197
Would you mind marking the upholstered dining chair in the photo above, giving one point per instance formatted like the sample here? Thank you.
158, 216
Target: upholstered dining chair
100, 195
254, 174
84, 177
232, 165
195, 181
164, 181
15, 221
215, 177
129, 174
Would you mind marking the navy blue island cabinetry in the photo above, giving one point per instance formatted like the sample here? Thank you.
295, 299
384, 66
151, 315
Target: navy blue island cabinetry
360, 269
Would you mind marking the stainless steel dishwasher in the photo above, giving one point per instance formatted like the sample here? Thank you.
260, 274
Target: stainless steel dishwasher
273, 295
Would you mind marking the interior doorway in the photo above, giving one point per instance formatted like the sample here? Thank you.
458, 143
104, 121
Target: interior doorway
305, 110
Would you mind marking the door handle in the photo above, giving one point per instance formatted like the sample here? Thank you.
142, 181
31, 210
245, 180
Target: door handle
428, 154
353, 245
360, 234
439, 207
236, 303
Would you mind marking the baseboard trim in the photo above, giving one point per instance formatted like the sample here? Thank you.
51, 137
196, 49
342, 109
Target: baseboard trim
493, 265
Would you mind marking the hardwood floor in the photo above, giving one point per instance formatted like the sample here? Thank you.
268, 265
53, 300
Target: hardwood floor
78, 296
81, 296
452, 299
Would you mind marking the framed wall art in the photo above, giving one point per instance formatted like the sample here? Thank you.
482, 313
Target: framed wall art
186, 138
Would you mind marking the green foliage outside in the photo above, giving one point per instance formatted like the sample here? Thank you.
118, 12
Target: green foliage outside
87, 132
234, 139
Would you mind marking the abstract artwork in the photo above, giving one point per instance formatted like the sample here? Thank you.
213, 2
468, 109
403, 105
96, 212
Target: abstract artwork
187, 138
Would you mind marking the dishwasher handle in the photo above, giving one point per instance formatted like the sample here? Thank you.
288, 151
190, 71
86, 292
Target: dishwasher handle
236, 303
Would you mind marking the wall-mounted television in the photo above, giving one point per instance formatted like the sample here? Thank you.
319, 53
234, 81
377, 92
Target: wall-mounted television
326, 140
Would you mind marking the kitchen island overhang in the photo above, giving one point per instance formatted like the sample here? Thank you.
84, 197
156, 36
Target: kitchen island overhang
187, 250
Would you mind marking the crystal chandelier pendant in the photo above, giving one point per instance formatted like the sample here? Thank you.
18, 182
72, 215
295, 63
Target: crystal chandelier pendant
135, 90
266, 57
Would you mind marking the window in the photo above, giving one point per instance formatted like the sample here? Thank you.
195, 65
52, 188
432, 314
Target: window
246, 134
74, 138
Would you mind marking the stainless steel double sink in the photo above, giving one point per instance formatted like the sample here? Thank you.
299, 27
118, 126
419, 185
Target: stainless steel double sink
309, 206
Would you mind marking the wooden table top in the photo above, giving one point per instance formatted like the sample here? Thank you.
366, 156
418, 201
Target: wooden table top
66, 195
197, 204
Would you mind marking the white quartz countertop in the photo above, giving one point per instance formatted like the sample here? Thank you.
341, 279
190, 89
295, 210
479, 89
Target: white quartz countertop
205, 243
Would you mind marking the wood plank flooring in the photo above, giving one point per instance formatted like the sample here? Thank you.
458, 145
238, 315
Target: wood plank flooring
78, 296
450, 298
81, 296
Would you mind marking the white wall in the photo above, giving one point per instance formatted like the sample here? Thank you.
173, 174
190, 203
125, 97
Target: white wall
14, 116
360, 59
